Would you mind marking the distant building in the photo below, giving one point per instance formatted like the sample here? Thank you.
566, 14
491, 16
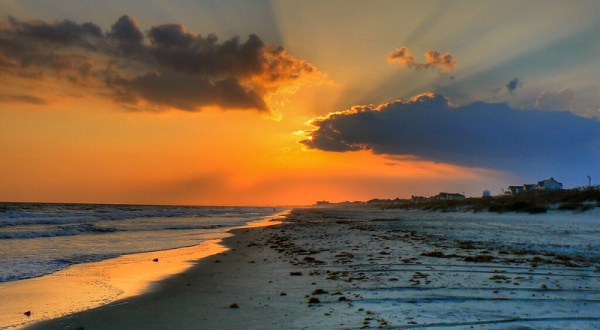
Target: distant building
516, 190
322, 203
444, 196
486, 193
544, 185
418, 199
548, 185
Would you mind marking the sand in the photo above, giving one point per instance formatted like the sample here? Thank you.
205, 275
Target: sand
337, 269
85, 286
89, 285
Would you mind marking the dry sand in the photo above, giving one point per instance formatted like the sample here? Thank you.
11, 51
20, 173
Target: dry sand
336, 269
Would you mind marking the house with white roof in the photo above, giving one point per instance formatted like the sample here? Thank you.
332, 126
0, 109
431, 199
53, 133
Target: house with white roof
544, 185
548, 185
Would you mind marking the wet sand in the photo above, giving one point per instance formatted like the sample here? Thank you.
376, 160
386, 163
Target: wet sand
89, 285
85, 286
337, 269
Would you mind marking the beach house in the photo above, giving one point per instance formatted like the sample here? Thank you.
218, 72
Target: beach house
444, 196
544, 185
516, 190
548, 185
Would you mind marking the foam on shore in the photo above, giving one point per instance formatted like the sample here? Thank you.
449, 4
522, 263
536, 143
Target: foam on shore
84, 286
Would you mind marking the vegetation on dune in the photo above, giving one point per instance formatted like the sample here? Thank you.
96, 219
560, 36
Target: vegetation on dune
576, 200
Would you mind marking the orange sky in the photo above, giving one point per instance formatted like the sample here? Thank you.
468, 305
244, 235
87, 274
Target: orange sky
97, 126
83, 151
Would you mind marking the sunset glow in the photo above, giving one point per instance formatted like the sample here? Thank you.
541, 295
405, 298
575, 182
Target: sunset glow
198, 104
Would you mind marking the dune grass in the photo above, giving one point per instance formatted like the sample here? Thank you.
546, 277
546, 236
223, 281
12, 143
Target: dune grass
576, 200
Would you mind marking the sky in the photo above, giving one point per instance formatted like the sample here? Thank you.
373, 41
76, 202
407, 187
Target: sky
291, 102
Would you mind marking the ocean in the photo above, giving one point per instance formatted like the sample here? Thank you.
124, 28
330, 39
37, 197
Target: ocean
38, 239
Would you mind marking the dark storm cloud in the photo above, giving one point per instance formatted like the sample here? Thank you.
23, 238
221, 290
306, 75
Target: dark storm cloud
481, 134
40, 45
186, 92
61, 33
127, 34
172, 48
513, 85
173, 35
166, 66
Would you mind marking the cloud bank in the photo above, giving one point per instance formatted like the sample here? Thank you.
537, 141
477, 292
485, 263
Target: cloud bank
164, 66
433, 59
560, 100
490, 135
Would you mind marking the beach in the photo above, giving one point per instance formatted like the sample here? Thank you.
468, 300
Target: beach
85, 286
37, 238
284, 164
362, 268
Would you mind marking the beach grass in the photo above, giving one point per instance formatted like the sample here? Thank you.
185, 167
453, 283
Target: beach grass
577, 200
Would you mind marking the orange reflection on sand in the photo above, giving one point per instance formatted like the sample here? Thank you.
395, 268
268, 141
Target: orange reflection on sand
268, 221
84, 286
89, 285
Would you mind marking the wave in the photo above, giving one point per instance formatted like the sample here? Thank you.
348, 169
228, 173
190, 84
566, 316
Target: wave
38, 239
24, 214
57, 231
37, 268
88, 228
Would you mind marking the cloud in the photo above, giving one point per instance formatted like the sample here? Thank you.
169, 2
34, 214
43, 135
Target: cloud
444, 62
63, 33
513, 85
401, 55
29, 99
27, 48
166, 66
560, 100
126, 33
489, 135
433, 59
186, 92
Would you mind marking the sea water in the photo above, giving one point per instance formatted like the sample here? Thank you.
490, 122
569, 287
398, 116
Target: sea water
38, 239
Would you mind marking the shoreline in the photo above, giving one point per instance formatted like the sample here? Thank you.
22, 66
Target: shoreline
85, 286
342, 268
